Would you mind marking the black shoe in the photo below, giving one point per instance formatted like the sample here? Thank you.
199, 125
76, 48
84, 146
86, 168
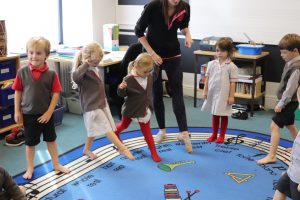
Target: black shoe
240, 115
15, 138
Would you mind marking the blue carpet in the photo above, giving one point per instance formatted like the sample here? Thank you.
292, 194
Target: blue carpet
213, 171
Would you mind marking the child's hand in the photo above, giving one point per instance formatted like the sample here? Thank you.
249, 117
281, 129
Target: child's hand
45, 117
204, 95
18, 117
92, 63
277, 109
123, 85
298, 188
230, 100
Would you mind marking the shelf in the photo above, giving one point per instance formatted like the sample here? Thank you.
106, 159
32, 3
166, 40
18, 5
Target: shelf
247, 96
1, 82
8, 128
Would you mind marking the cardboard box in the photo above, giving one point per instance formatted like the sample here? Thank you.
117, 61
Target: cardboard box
111, 37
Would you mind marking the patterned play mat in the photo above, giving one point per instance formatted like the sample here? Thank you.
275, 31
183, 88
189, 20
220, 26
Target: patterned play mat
212, 172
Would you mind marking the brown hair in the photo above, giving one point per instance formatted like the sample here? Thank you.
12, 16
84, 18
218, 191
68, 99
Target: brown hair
165, 9
39, 42
290, 42
225, 44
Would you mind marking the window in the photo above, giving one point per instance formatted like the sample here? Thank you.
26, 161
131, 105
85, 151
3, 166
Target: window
77, 22
24, 19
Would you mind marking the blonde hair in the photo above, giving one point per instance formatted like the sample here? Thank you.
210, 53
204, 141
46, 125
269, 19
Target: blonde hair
143, 60
92, 51
39, 42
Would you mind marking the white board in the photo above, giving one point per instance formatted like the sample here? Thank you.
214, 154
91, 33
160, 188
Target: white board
265, 21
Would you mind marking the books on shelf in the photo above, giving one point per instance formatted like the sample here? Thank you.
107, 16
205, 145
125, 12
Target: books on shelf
244, 86
203, 69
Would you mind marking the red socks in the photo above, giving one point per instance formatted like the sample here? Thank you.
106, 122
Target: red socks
125, 122
145, 128
215, 127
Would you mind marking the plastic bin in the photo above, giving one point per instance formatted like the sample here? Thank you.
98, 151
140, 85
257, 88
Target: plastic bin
7, 96
6, 116
8, 69
58, 115
249, 49
74, 105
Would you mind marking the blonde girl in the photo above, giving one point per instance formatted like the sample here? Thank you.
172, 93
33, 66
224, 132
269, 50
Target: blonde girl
96, 113
136, 89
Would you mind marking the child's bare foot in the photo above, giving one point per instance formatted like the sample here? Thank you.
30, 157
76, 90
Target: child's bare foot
62, 169
267, 160
90, 154
127, 153
289, 150
28, 173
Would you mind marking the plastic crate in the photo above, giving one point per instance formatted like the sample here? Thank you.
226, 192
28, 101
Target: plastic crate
74, 105
297, 114
8, 69
7, 96
7, 116
249, 49
58, 115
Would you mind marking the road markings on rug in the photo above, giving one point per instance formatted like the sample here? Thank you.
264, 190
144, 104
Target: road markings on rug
54, 180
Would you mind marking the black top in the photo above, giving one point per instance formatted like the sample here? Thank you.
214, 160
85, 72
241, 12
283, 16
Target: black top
162, 37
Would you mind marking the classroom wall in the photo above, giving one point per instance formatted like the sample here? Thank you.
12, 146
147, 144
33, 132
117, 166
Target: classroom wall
127, 13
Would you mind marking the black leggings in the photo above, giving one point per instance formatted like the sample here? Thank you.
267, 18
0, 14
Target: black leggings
174, 73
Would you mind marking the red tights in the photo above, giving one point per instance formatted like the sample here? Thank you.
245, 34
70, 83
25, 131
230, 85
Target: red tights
215, 128
145, 128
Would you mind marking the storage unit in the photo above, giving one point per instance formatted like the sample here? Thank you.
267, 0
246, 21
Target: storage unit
8, 69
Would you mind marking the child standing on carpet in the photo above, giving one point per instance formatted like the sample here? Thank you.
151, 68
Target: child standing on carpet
96, 113
219, 88
289, 183
136, 88
37, 91
285, 109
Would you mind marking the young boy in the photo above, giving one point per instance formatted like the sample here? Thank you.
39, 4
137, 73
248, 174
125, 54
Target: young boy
8, 187
36, 93
289, 183
289, 47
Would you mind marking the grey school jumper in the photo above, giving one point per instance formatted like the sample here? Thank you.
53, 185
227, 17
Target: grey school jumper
37, 94
91, 88
289, 82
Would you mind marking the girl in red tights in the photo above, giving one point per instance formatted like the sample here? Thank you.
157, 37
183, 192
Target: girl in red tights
136, 89
221, 75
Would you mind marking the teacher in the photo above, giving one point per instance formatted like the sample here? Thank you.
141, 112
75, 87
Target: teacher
163, 18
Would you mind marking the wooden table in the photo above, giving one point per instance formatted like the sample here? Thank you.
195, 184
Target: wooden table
247, 58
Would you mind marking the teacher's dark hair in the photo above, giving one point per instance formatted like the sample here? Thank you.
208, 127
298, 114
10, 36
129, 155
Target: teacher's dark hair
179, 7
